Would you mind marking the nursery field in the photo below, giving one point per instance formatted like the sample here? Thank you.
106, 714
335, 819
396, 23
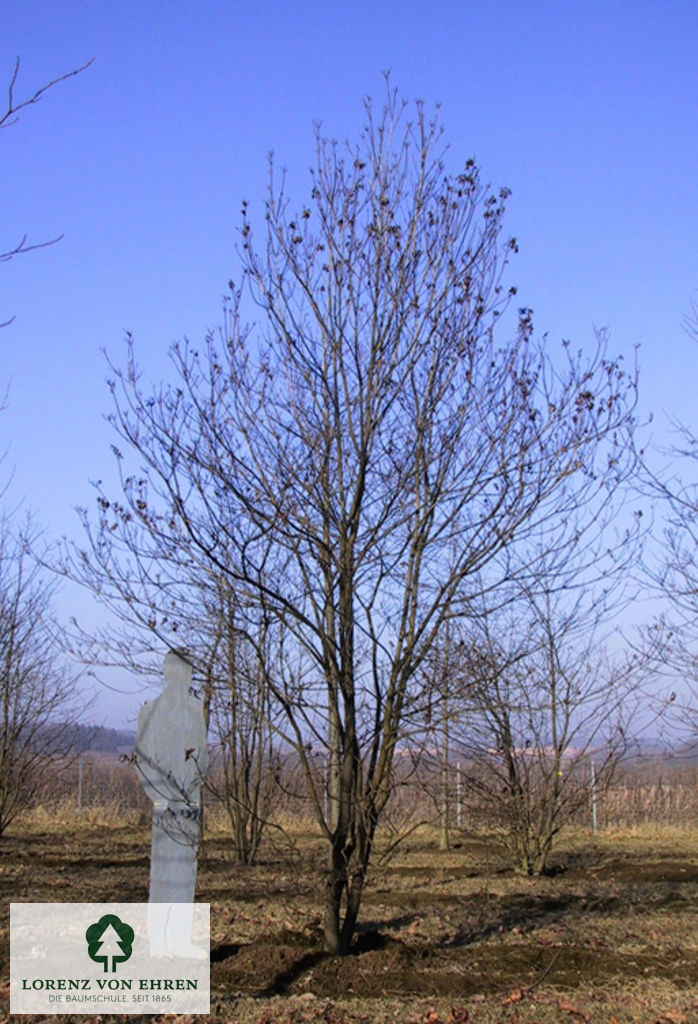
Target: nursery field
610, 935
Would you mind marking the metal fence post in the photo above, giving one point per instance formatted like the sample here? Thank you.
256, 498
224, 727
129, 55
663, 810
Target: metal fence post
79, 786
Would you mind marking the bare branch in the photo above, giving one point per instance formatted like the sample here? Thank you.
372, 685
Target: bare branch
10, 117
21, 248
11, 114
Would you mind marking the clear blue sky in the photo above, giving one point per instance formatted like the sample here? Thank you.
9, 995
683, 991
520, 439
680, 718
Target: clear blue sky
587, 111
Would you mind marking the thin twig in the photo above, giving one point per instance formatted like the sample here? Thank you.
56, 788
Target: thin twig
527, 991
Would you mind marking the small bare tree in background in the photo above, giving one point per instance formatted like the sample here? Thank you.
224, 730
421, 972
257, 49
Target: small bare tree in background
246, 764
37, 692
671, 568
543, 686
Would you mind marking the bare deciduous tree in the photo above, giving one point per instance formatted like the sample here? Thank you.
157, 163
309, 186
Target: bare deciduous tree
522, 645
37, 693
671, 638
368, 448
540, 697
671, 568
247, 763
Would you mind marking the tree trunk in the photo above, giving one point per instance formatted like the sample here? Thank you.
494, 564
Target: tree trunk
444, 795
344, 891
333, 909
333, 768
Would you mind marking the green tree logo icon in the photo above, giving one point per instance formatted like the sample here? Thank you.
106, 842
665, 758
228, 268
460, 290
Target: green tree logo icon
110, 938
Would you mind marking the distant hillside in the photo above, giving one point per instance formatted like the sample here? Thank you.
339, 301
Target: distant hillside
652, 751
98, 739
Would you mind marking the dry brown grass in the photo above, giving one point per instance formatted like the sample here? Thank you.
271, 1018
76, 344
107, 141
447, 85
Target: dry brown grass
652, 793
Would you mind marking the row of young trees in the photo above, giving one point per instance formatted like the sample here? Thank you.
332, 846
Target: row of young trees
382, 516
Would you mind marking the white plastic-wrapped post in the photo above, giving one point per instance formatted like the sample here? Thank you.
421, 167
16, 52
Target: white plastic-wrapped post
171, 756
